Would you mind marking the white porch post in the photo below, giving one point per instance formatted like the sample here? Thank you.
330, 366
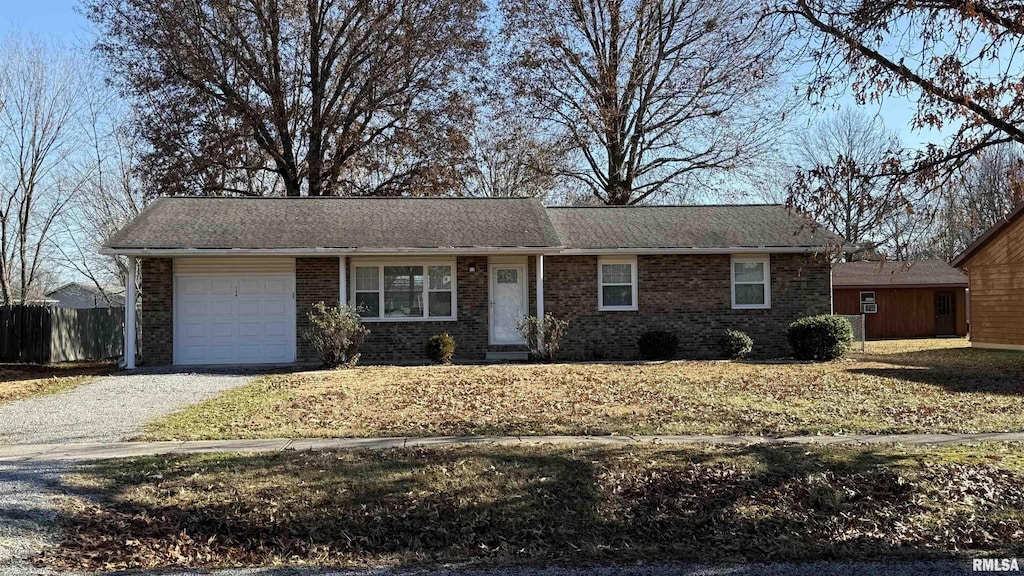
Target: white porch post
342, 281
540, 297
129, 316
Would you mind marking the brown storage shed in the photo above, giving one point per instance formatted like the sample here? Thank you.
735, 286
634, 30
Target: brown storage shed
920, 299
995, 266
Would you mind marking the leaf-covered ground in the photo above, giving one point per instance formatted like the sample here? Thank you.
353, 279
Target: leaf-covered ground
923, 386
544, 504
19, 381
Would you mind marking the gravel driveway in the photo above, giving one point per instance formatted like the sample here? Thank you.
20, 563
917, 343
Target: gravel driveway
110, 408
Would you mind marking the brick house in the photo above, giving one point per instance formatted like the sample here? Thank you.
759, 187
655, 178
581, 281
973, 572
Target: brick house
230, 280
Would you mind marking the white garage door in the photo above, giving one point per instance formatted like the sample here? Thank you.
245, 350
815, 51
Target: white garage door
244, 319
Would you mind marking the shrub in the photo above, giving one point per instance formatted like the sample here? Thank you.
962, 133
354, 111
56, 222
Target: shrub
551, 330
820, 337
658, 345
441, 348
737, 344
336, 333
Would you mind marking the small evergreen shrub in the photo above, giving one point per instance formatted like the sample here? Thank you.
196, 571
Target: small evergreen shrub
441, 348
737, 344
822, 337
336, 333
551, 330
658, 345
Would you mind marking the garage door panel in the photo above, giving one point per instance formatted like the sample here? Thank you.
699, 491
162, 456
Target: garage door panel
248, 319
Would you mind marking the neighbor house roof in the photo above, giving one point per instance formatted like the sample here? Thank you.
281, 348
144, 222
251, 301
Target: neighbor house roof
988, 235
336, 223
78, 295
367, 225
867, 274
697, 227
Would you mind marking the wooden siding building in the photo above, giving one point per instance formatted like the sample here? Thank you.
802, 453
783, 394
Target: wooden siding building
995, 266
922, 299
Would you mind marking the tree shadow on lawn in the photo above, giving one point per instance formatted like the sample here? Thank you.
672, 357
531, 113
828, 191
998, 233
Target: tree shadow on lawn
481, 506
21, 372
955, 369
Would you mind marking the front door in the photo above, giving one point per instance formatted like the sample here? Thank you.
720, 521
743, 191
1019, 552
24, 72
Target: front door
508, 302
945, 317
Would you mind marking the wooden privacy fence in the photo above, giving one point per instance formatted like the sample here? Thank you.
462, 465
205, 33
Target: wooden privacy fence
41, 334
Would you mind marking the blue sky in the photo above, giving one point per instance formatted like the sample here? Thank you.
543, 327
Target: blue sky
60, 20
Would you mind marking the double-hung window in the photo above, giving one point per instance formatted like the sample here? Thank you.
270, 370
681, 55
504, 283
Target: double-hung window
404, 291
751, 282
616, 284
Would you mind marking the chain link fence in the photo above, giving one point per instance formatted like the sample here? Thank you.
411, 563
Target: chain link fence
857, 321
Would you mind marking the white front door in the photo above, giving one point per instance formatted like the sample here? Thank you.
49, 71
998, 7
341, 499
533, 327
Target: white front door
246, 319
509, 304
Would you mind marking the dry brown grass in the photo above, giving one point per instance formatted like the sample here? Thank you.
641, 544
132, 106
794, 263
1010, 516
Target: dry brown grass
20, 381
901, 390
494, 505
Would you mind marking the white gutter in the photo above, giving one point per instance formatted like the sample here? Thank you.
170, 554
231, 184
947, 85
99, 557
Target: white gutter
550, 251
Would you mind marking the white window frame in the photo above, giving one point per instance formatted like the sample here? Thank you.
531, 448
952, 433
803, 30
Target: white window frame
758, 259
871, 301
423, 263
631, 260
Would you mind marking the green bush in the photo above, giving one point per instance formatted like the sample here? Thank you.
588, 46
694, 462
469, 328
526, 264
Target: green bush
737, 344
820, 337
336, 333
550, 329
441, 348
658, 345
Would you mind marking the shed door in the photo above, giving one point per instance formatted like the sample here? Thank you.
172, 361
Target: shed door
236, 319
945, 316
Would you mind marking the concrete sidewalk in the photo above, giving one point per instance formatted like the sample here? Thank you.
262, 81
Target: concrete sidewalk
102, 450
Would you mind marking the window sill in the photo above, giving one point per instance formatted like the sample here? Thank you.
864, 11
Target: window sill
407, 319
758, 307
617, 309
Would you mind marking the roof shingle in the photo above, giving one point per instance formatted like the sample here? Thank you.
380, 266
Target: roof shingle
175, 223
868, 274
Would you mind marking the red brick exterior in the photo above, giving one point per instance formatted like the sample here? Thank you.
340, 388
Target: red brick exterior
686, 294
156, 319
316, 280
690, 295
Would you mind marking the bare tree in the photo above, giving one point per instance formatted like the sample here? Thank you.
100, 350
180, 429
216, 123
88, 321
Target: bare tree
837, 163
653, 95
981, 193
38, 104
959, 61
313, 97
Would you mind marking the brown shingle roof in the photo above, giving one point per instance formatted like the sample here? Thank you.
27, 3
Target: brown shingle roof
279, 223
438, 223
743, 226
875, 274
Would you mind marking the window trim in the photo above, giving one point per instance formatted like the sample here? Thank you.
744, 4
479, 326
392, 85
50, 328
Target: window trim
632, 261
423, 263
752, 259
863, 301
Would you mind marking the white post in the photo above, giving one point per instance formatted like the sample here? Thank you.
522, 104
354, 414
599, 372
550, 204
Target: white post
342, 282
129, 316
540, 298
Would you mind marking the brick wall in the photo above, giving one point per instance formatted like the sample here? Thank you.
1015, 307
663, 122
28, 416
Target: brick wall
316, 280
402, 342
156, 319
686, 294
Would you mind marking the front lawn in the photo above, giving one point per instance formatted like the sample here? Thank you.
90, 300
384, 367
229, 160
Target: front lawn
486, 505
892, 389
20, 381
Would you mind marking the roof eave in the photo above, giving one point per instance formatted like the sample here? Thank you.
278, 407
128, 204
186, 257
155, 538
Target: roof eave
964, 256
465, 250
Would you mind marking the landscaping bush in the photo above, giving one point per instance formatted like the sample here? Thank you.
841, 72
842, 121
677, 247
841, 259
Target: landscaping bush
658, 345
441, 348
336, 333
737, 344
551, 330
820, 337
